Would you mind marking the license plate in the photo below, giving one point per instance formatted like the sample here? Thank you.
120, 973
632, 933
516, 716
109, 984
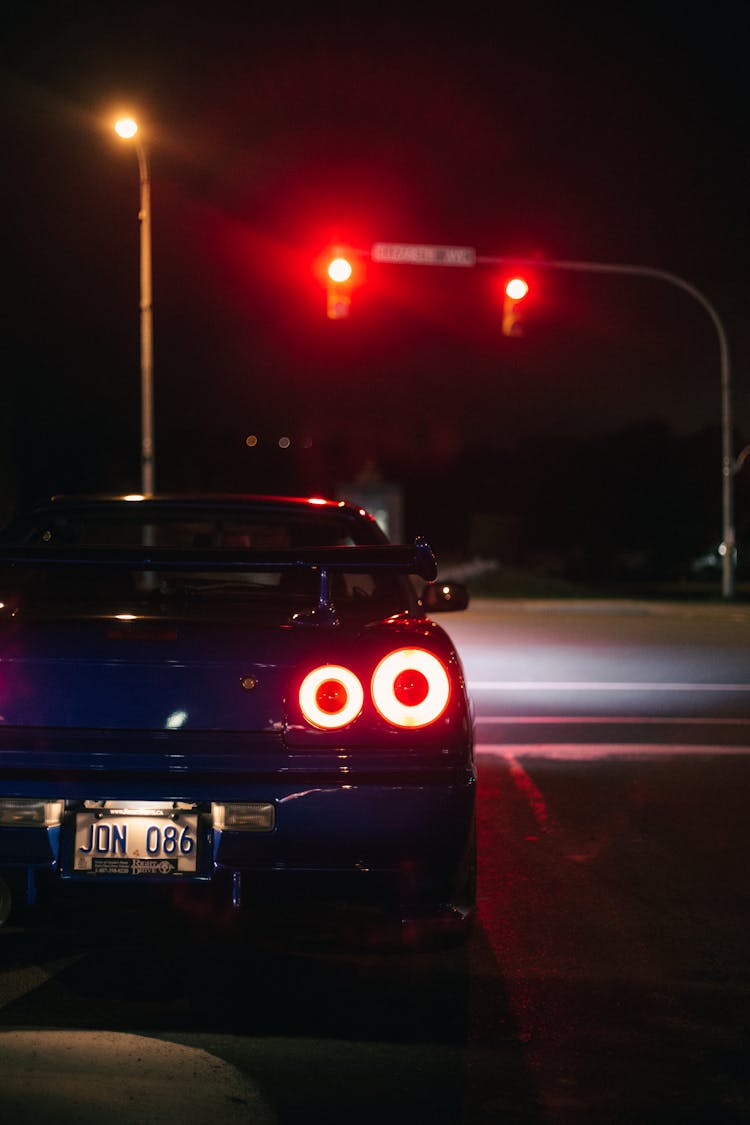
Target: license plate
136, 845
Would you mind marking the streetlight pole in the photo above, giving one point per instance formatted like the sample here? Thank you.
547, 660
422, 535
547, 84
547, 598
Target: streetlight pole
727, 460
127, 129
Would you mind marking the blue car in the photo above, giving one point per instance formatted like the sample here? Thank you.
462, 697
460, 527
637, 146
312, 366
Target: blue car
239, 693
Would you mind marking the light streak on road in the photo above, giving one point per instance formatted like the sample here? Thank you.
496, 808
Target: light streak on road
593, 685
530, 792
610, 720
595, 751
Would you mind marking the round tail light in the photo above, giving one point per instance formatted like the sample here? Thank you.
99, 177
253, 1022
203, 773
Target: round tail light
330, 697
411, 688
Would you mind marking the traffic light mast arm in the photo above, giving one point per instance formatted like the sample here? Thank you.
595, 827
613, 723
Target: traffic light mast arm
727, 460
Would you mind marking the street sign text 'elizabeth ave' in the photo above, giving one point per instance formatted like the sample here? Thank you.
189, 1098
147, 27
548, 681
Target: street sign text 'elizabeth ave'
410, 254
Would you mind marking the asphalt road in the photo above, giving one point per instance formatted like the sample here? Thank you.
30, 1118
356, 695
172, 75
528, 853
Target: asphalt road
599, 672
607, 980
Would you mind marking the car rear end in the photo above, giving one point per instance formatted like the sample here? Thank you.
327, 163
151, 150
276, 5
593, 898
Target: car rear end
242, 750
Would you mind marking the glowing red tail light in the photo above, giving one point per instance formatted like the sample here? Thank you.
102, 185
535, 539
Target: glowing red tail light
410, 688
330, 697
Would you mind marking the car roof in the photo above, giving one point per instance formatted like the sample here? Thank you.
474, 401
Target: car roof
216, 500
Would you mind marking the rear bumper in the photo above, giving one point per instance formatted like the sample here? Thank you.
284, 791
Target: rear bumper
407, 814
378, 827
323, 826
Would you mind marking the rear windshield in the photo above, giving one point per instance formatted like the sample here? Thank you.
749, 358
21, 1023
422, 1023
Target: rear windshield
133, 526
379, 593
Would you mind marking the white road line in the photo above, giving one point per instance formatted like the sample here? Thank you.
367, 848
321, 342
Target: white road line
15, 983
577, 752
587, 685
625, 720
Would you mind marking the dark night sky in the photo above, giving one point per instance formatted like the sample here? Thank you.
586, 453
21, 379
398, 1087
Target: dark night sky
613, 134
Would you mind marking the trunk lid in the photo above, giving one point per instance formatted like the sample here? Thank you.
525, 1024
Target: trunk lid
148, 673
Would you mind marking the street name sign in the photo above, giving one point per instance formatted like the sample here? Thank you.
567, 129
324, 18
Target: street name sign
410, 254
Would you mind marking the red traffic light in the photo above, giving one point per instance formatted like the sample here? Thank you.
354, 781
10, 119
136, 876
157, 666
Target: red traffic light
515, 291
340, 270
339, 279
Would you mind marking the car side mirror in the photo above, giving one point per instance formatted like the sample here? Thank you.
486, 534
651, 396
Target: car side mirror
444, 597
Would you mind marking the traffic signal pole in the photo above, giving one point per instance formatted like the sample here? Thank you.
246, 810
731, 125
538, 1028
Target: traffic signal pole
727, 460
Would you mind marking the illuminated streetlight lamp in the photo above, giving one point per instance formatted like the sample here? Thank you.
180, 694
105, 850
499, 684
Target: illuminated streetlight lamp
127, 128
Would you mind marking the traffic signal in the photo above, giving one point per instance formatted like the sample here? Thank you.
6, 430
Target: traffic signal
338, 287
515, 292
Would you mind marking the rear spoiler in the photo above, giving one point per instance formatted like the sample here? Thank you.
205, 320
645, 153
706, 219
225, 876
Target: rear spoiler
418, 560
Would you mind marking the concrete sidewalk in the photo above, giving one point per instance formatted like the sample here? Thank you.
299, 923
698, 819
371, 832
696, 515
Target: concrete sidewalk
86, 1077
